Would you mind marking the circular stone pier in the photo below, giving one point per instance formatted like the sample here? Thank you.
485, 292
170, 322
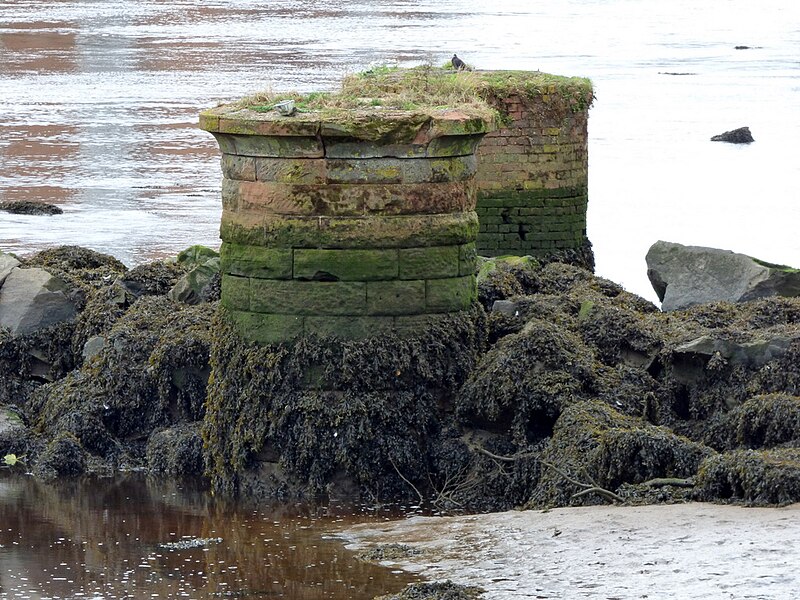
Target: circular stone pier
345, 223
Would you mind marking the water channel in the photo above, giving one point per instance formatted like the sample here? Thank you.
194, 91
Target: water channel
132, 536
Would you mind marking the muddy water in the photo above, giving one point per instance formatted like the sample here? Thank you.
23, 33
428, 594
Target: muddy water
105, 538
99, 102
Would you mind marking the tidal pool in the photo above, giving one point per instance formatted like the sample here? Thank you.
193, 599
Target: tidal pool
119, 537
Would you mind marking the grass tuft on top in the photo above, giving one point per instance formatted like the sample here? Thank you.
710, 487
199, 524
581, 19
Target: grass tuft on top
427, 89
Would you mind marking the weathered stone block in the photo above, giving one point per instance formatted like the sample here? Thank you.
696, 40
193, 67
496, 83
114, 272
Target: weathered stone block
308, 297
348, 199
238, 167
467, 259
266, 328
429, 263
255, 124
242, 228
269, 146
308, 171
256, 261
345, 264
404, 231
395, 297
395, 170
456, 145
235, 292
449, 295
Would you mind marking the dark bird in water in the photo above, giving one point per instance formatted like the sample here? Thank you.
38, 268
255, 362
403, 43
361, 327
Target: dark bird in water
458, 63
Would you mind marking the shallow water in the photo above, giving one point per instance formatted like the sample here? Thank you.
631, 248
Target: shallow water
101, 538
100, 101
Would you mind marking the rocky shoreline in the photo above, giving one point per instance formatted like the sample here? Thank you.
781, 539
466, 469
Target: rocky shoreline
571, 392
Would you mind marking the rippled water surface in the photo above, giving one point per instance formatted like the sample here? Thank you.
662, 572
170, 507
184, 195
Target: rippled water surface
116, 538
100, 100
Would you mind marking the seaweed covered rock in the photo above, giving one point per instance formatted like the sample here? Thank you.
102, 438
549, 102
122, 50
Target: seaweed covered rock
594, 444
152, 279
151, 373
324, 410
64, 455
201, 282
765, 421
176, 451
504, 277
82, 268
756, 477
28, 207
526, 380
440, 590
13, 432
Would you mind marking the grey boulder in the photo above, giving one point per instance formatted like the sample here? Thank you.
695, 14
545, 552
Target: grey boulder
32, 299
194, 286
684, 276
7, 263
741, 135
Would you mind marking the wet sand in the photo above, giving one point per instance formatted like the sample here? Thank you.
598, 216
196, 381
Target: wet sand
658, 552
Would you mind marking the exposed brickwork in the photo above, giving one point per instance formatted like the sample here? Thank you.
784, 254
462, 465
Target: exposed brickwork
345, 246
532, 180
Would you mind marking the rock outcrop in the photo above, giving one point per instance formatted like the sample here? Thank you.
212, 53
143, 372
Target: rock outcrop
741, 135
7, 263
684, 276
32, 299
26, 207
572, 392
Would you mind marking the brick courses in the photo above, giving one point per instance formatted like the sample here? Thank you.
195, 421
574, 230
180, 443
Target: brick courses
532, 179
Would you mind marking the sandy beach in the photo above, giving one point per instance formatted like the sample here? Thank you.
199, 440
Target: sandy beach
658, 552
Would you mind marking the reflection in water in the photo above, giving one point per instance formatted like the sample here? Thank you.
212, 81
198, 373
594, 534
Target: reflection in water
101, 537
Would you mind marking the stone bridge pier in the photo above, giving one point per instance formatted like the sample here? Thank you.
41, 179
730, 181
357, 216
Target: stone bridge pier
349, 225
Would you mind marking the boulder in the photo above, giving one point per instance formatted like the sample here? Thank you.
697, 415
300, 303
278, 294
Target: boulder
755, 353
194, 286
735, 136
684, 276
32, 299
196, 255
27, 207
7, 263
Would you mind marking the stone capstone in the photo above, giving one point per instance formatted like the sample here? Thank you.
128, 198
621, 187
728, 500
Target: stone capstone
684, 276
32, 299
741, 135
